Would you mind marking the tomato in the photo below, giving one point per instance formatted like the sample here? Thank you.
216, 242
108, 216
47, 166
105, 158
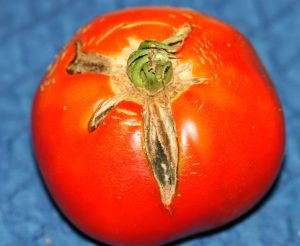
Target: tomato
156, 123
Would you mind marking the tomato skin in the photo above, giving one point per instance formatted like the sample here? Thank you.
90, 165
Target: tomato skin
230, 133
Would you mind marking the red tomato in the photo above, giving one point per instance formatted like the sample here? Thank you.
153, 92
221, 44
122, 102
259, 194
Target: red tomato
142, 145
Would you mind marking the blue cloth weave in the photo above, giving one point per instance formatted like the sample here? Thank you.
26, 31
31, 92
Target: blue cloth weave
33, 31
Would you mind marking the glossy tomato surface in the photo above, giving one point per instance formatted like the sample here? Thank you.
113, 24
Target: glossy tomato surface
230, 133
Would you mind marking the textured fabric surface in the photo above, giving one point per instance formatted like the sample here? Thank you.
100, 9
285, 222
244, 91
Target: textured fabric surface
33, 31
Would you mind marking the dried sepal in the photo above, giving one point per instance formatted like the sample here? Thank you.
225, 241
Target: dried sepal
161, 146
93, 62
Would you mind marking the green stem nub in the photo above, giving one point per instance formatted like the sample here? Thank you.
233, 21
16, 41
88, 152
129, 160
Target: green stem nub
150, 66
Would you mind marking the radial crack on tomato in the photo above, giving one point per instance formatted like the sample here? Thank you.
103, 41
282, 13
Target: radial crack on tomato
153, 83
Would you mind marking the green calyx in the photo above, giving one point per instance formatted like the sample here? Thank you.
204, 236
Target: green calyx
150, 66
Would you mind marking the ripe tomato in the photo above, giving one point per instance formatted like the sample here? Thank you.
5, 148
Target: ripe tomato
156, 123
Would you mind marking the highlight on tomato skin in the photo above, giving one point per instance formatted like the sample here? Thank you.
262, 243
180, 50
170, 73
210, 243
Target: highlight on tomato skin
156, 123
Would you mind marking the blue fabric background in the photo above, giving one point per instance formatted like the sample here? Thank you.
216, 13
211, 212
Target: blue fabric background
33, 31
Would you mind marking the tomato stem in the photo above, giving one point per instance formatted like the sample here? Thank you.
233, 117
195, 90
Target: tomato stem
150, 66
